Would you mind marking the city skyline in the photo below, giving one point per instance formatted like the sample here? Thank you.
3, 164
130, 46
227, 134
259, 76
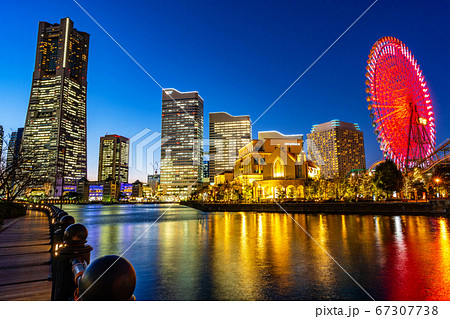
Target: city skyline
334, 86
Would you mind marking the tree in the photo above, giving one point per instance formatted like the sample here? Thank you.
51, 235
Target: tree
280, 192
248, 192
366, 187
414, 183
311, 187
388, 177
290, 192
17, 174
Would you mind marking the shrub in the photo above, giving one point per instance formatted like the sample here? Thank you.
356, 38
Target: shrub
11, 210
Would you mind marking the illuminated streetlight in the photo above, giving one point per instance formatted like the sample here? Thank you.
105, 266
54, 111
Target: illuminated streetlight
437, 180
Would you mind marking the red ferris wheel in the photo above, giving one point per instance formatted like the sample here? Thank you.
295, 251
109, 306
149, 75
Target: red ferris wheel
399, 103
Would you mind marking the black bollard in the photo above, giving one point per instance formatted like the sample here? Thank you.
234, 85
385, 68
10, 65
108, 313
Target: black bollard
108, 278
57, 241
58, 232
66, 221
74, 246
61, 215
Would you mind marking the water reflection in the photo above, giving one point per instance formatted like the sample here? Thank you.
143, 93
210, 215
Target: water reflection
192, 255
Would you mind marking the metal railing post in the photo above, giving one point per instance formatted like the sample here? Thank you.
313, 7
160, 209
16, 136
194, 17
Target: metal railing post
74, 246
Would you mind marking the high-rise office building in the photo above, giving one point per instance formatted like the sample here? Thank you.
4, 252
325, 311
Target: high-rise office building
337, 147
205, 169
113, 158
227, 135
182, 146
14, 146
55, 127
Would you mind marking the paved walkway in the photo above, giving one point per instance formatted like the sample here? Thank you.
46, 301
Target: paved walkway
24, 246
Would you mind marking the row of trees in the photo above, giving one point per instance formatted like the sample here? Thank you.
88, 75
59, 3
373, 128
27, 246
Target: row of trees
15, 174
384, 183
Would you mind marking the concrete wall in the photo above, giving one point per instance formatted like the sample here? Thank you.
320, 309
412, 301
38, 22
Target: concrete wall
380, 208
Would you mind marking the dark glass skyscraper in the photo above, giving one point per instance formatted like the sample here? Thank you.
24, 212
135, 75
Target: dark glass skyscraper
55, 127
14, 146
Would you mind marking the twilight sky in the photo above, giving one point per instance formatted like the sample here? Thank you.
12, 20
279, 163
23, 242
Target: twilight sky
239, 55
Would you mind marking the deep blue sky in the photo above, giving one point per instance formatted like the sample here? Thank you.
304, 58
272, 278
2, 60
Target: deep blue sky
240, 56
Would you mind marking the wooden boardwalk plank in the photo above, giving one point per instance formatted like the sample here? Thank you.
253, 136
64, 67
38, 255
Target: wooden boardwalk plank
24, 255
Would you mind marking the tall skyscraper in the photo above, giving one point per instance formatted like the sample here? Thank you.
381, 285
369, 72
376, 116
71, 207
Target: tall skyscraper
227, 135
337, 147
55, 127
113, 158
182, 142
14, 146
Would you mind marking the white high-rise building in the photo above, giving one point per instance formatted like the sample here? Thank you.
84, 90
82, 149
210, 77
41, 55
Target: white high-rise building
227, 135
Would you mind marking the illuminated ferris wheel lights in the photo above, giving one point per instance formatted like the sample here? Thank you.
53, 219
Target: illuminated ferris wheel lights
399, 104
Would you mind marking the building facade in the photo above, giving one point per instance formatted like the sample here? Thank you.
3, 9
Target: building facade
182, 146
55, 127
137, 190
153, 181
274, 166
337, 147
113, 158
14, 146
227, 135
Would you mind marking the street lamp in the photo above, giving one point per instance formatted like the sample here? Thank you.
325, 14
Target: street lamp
437, 180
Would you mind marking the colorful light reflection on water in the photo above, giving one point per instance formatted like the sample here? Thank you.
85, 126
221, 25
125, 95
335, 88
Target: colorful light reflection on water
192, 255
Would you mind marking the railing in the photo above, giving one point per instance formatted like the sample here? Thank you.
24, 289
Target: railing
73, 276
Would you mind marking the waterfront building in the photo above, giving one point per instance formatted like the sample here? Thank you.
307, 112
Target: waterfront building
55, 128
137, 190
83, 189
113, 158
126, 189
337, 147
95, 191
153, 181
110, 190
223, 178
107, 191
148, 193
274, 166
14, 146
182, 151
227, 135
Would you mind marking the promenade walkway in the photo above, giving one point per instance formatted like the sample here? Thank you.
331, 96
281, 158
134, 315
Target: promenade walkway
24, 252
